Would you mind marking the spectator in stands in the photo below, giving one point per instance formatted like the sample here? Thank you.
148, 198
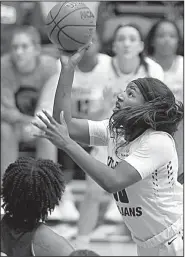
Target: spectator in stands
19, 13
30, 190
25, 71
163, 45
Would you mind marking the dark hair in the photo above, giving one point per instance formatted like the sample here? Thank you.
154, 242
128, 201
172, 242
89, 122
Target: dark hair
32, 32
30, 190
84, 252
160, 112
135, 26
149, 47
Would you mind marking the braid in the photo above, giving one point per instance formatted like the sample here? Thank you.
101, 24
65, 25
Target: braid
31, 188
160, 114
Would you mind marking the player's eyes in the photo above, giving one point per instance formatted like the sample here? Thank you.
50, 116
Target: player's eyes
130, 93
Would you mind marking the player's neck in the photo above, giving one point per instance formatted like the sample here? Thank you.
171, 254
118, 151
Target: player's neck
136, 133
165, 61
127, 66
87, 64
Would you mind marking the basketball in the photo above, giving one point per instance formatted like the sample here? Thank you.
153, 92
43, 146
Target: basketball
70, 25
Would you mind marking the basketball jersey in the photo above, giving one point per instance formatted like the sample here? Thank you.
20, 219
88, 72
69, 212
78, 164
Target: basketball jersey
120, 80
152, 208
87, 89
173, 77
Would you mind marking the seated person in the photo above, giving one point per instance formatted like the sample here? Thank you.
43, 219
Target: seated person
25, 71
30, 191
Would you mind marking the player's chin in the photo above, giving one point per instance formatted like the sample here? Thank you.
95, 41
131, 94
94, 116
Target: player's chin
116, 110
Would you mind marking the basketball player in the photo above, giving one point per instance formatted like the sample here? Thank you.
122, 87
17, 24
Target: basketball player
30, 190
142, 159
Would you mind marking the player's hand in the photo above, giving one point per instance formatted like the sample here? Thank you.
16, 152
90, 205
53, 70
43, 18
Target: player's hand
70, 61
53, 131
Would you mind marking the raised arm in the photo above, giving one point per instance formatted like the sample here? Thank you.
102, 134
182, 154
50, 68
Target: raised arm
78, 128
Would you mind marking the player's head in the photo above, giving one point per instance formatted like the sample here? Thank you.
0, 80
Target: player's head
163, 38
128, 43
84, 252
25, 47
30, 190
146, 103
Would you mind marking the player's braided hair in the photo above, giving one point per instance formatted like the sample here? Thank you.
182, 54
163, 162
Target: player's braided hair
31, 189
160, 111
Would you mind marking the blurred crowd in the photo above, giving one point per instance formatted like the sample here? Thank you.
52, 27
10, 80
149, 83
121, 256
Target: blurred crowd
30, 70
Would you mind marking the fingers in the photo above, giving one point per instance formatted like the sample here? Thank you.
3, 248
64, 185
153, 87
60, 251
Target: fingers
50, 118
62, 119
46, 122
39, 126
42, 136
85, 47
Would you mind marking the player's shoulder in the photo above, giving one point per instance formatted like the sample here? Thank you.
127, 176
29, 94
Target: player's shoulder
6, 61
104, 59
180, 58
159, 139
155, 69
48, 65
7, 70
180, 61
47, 60
153, 64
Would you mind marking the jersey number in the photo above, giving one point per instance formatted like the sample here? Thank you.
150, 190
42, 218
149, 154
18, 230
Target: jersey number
121, 196
83, 106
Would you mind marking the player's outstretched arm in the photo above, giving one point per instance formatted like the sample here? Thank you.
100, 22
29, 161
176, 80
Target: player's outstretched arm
78, 128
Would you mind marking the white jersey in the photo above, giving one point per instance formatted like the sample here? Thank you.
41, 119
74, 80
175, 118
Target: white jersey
87, 89
153, 207
173, 78
120, 80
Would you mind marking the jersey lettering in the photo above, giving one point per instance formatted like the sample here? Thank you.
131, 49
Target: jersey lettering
121, 196
130, 211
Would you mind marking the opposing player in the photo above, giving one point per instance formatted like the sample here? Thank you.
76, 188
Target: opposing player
31, 189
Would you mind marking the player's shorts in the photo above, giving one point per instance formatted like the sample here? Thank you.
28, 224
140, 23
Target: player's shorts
172, 247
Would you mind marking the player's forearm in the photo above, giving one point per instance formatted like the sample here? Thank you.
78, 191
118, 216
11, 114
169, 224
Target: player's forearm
62, 100
46, 99
101, 173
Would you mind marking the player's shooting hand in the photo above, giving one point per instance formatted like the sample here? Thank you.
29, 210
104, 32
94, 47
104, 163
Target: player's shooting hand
69, 60
53, 131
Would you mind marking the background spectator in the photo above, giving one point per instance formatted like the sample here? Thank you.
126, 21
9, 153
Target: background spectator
24, 73
164, 46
